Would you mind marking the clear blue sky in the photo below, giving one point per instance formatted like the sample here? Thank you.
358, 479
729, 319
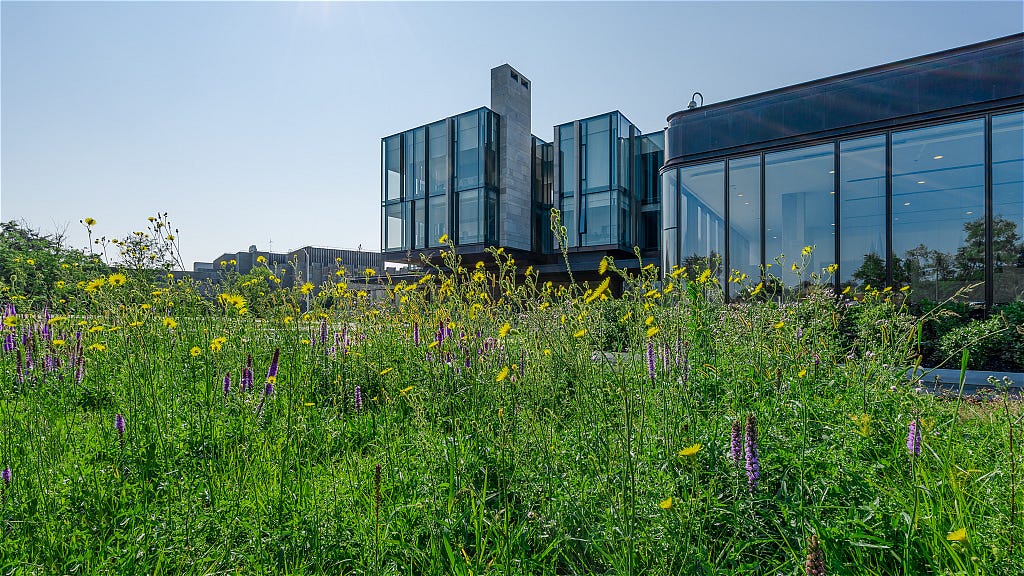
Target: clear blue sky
252, 122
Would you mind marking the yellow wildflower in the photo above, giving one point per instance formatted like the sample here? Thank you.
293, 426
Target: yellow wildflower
261, 259
95, 284
599, 290
369, 272
443, 239
196, 351
666, 503
957, 535
97, 347
57, 342
502, 375
652, 331
117, 279
780, 323
580, 333
90, 222
217, 344
306, 288
96, 329
690, 450
386, 370
135, 324
403, 391
504, 330
603, 266
806, 251
170, 323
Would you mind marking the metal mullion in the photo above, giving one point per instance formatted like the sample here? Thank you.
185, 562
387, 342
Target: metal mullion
989, 262
726, 259
764, 222
888, 210
837, 215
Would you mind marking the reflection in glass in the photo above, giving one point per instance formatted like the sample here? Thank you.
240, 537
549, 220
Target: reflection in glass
745, 218
595, 150
597, 223
415, 163
938, 208
1008, 206
437, 218
702, 210
395, 229
393, 167
419, 224
670, 221
468, 157
470, 217
862, 211
800, 208
567, 180
438, 133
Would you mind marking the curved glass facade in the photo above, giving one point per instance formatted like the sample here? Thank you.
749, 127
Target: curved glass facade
939, 208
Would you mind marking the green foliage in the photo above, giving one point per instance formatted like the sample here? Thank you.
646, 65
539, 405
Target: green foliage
40, 268
507, 440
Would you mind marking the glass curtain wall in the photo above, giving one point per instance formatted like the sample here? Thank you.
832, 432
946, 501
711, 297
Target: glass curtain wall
650, 157
800, 209
862, 212
745, 219
476, 176
938, 209
702, 217
432, 173
597, 208
935, 177
1008, 207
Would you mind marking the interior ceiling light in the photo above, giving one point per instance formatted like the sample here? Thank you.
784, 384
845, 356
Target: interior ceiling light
969, 212
906, 203
920, 181
831, 171
939, 157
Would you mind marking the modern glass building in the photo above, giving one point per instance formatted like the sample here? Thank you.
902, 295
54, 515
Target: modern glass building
484, 180
910, 173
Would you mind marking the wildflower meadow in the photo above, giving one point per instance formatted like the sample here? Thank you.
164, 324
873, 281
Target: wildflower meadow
477, 419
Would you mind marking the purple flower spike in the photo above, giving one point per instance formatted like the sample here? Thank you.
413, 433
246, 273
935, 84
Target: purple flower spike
753, 462
651, 368
272, 371
913, 438
359, 399
6, 475
227, 383
737, 442
323, 332
416, 333
9, 342
268, 389
119, 424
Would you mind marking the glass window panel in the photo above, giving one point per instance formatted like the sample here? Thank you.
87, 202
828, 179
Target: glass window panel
393, 167
670, 221
470, 217
650, 229
415, 163
938, 208
419, 224
862, 211
491, 156
438, 158
437, 218
702, 214
623, 177
597, 154
598, 222
491, 217
1008, 206
800, 208
395, 225
745, 218
468, 167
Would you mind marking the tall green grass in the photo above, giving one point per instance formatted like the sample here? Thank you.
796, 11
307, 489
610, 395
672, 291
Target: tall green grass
505, 447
